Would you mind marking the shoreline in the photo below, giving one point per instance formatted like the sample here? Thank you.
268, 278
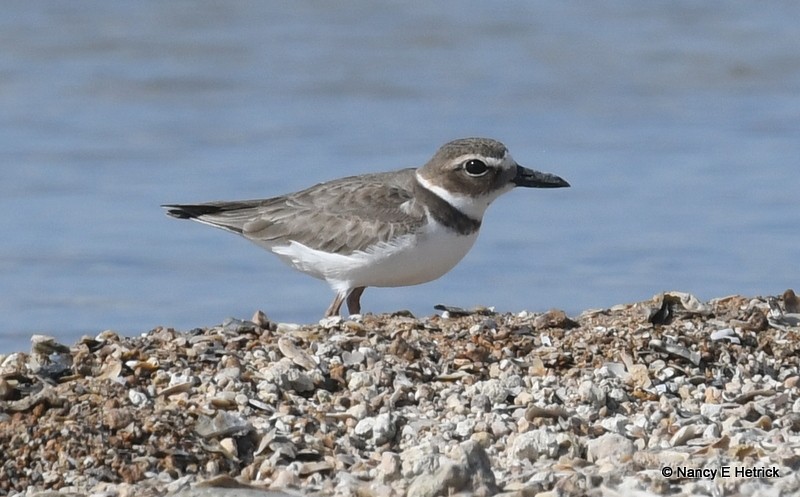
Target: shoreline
604, 403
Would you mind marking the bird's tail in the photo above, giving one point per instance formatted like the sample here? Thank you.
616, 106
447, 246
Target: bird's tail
192, 211
229, 216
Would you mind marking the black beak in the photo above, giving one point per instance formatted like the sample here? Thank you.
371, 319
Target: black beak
534, 179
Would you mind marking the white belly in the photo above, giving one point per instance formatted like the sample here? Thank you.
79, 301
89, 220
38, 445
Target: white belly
410, 260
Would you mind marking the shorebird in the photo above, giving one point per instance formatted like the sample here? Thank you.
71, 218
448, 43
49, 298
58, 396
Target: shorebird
389, 229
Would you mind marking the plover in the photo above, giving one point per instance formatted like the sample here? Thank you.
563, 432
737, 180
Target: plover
389, 229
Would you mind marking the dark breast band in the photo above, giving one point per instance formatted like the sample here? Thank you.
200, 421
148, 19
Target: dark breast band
445, 213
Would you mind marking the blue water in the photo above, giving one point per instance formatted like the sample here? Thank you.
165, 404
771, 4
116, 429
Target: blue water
677, 123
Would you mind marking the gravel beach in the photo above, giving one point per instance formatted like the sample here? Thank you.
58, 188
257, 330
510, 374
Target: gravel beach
670, 396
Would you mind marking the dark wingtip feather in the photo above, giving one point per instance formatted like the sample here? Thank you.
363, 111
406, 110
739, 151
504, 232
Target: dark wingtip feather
190, 211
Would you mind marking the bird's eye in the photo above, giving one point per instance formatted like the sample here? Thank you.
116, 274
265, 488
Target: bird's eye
475, 167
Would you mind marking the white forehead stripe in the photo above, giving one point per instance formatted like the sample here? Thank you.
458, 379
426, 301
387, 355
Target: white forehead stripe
508, 162
485, 158
505, 162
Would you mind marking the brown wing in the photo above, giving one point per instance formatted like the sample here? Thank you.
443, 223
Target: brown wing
343, 215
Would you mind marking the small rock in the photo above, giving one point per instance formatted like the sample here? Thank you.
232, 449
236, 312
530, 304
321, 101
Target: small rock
364, 427
360, 379
221, 425
6, 390
390, 468
493, 389
420, 459
230, 447
790, 302
554, 318
292, 351
725, 334
330, 322
710, 411
47, 345
590, 393
685, 434
535, 444
116, 419
464, 428
352, 358
137, 398
260, 319
384, 429
611, 446
471, 473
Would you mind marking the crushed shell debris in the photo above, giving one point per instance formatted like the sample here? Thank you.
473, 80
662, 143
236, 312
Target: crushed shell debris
389, 405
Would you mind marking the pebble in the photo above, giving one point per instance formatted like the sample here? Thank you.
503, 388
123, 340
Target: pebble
535, 444
384, 429
390, 468
611, 446
471, 472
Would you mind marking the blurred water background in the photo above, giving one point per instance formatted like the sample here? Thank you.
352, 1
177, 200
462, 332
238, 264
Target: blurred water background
677, 123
